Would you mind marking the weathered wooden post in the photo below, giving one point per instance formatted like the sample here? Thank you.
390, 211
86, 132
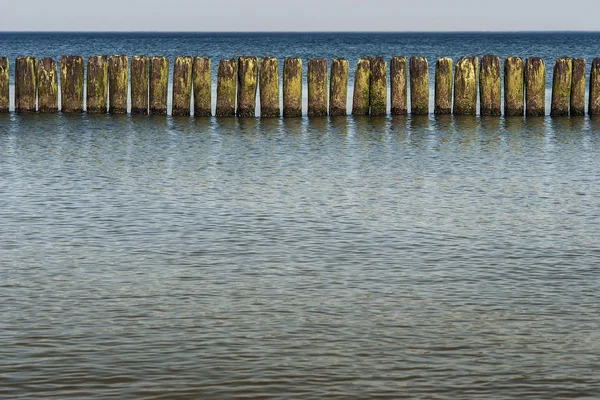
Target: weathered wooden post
317, 87
25, 84
118, 81
159, 85
71, 84
465, 86
338, 87
202, 87
594, 100
561, 87
398, 85
182, 85
4, 86
535, 87
362, 87
514, 87
378, 90
419, 86
578, 87
247, 85
139, 85
443, 86
226, 88
292, 87
97, 84
269, 87
490, 86
47, 76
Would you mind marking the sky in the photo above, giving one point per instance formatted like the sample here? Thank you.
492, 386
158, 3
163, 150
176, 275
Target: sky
294, 15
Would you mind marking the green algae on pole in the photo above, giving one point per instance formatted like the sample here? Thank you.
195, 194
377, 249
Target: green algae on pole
182, 85
247, 85
4, 86
25, 84
159, 85
71, 84
443, 86
490, 86
362, 87
292, 87
535, 87
465, 86
47, 76
514, 87
419, 86
561, 87
118, 81
269, 87
139, 85
398, 84
317, 87
594, 100
338, 87
202, 87
578, 87
226, 88
97, 84
378, 90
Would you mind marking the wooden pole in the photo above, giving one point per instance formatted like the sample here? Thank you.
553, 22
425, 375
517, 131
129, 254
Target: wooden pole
292, 87
594, 100
419, 86
338, 87
47, 76
71, 84
118, 81
4, 85
269, 87
97, 84
578, 87
443, 86
25, 84
317, 87
490, 86
182, 85
561, 87
514, 87
398, 85
139, 85
378, 90
465, 86
535, 87
202, 87
362, 87
226, 88
247, 85
159, 85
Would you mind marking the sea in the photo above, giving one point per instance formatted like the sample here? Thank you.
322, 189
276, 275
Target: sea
417, 257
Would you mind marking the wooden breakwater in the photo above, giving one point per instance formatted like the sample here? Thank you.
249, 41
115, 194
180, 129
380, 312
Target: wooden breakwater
462, 88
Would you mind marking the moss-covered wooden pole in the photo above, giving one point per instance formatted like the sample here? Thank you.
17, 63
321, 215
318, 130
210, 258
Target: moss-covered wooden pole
202, 87
182, 85
535, 87
4, 86
594, 100
47, 76
378, 90
292, 87
269, 87
139, 85
561, 87
97, 84
118, 81
398, 85
25, 84
226, 88
578, 87
443, 86
159, 85
71, 84
362, 87
466, 85
490, 86
419, 86
247, 85
338, 87
317, 87
514, 87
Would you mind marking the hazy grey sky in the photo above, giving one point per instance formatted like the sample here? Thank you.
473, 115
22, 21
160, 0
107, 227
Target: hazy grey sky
295, 15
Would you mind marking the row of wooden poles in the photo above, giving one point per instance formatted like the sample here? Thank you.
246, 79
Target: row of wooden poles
457, 88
